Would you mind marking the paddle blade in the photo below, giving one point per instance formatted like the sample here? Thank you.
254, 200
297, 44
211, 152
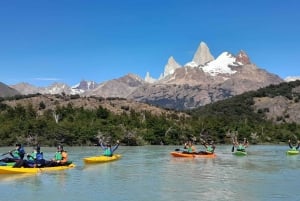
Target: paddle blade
177, 149
5, 153
232, 150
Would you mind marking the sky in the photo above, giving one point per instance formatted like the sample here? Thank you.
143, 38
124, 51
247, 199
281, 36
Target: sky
67, 41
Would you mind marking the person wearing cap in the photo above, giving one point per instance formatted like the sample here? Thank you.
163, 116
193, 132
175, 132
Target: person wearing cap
108, 150
60, 157
16, 154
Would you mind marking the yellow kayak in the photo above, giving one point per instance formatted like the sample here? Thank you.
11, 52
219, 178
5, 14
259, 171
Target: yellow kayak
21, 170
102, 159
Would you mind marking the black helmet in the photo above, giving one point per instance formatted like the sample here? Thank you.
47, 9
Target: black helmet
18, 145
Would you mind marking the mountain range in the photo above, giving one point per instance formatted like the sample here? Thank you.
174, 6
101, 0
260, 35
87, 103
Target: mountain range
201, 81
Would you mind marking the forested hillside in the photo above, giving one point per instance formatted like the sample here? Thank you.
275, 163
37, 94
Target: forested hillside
245, 116
72, 120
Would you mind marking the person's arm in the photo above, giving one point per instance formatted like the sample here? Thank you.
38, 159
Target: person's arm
115, 147
234, 141
213, 146
290, 144
102, 146
298, 145
245, 142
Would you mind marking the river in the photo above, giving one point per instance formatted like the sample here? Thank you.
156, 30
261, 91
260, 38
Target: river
150, 173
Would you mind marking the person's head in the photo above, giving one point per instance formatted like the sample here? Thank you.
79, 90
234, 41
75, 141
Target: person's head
60, 148
18, 146
37, 149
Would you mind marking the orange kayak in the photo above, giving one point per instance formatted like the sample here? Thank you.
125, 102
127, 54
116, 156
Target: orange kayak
193, 155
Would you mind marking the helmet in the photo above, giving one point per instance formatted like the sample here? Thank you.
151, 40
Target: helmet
18, 145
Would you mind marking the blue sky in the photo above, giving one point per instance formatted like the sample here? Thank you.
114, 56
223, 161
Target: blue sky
46, 41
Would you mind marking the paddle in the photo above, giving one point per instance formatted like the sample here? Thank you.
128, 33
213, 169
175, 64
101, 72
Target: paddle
7, 153
232, 150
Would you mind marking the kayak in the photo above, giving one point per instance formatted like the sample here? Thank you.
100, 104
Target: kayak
7, 164
102, 159
240, 153
193, 155
21, 170
292, 152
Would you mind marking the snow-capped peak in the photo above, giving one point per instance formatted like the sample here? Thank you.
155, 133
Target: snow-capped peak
221, 65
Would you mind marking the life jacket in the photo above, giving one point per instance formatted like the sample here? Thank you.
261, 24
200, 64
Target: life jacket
39, 156
241, 148
16, 154
19, 153
107, 152
58, 156
294, 149
209, 149
64, 155
32, 156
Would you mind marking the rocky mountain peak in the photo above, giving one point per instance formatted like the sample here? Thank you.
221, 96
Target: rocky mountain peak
85, 85
243, 58
171, 66
149, 79
202, 54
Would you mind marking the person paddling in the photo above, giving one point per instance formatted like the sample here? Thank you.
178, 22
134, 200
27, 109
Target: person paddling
108, 150
294, 147
189, 147
16, 155
60, 158
36, 158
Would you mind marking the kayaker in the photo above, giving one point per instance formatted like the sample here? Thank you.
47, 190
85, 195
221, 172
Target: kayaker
60, 157
108, 150
189, 147
210, 147
16, 155
240, 146
36, 158
294, 147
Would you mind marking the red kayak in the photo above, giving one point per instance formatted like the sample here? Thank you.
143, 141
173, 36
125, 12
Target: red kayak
193, 155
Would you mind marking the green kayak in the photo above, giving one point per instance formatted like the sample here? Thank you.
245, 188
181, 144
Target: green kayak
7, 164
292, 152
240, 153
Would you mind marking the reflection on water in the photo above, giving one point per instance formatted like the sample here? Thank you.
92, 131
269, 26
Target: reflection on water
151, 173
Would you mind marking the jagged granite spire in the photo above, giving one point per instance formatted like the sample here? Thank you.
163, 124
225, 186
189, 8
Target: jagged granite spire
171, 66
149, 79
202, 54
243, 58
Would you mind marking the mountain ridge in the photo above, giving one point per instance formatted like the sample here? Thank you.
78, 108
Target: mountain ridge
204, 79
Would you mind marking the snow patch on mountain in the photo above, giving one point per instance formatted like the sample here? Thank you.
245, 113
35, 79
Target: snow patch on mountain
221, 65
292, 78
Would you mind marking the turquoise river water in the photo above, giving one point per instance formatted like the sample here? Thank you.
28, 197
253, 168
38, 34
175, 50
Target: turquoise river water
150, 173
